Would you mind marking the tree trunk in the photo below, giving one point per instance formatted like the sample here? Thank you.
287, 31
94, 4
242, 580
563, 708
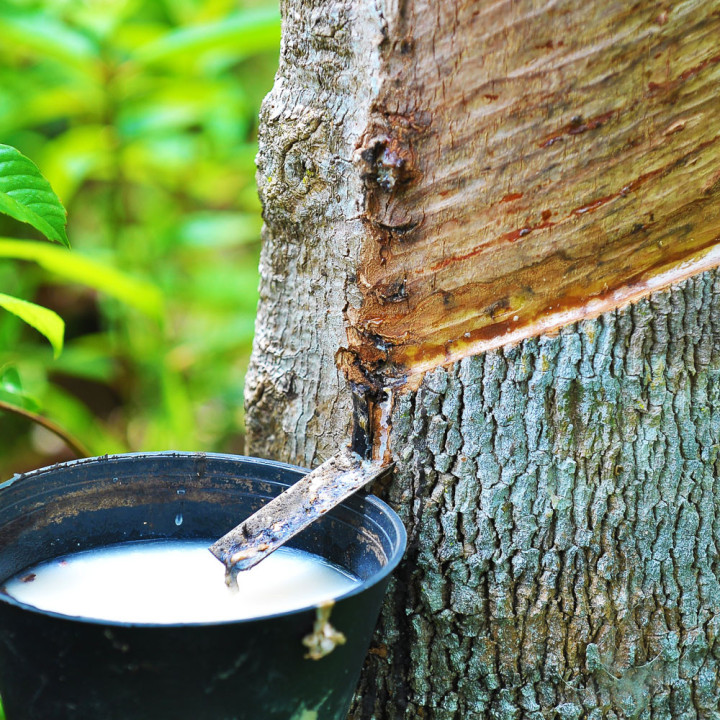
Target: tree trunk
445, 183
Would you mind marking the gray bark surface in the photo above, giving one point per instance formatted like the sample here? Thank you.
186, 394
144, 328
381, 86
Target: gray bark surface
299, 403
563, 507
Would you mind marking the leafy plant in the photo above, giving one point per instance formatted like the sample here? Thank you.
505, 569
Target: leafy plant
142, 115
27, 196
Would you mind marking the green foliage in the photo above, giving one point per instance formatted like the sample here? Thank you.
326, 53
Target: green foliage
42, 33
243, 34
27, 196
71, 266
45, 321
11, 390
142, 115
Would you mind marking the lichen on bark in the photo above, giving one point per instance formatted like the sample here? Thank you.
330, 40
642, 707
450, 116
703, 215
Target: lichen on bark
563, 506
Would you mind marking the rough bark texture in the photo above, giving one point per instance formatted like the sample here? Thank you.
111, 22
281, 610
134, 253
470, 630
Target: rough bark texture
563, 504
299, 403
562, 493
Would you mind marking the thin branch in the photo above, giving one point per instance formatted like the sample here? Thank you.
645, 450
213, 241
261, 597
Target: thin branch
73, 443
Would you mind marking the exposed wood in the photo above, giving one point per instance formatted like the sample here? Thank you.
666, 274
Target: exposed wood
529, 164
443, 178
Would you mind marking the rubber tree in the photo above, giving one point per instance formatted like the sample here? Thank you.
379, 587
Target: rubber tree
491, 234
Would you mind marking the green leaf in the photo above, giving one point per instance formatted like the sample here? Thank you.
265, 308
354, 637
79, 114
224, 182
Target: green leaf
11, 390
139, 294
244, 33
10, 380
45, 321
27, 196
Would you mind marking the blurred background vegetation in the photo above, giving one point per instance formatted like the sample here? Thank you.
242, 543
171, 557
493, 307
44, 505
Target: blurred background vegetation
142, 114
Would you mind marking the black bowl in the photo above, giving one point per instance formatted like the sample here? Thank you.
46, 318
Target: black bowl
54, 667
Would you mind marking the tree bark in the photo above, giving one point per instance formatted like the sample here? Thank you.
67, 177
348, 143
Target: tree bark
444, 184
563, 504
299, 402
